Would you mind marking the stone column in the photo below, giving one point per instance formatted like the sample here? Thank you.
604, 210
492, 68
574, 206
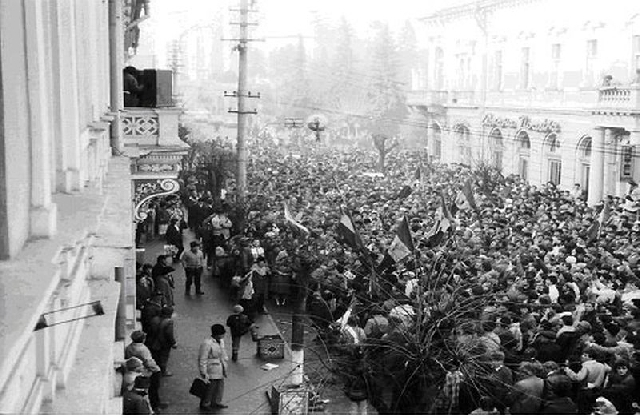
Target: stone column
596, 170
168, 122
42, 209
116, 64
66, 113
611, 163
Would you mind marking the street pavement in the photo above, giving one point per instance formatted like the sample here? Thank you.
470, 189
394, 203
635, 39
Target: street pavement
247, 382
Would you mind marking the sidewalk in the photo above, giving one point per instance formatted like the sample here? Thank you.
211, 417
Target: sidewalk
247, 383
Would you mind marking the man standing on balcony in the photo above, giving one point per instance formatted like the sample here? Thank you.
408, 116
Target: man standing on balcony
131, 87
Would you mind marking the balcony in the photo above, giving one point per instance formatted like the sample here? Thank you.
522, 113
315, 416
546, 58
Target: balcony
542, 99
427, 98
150, 137
618, 99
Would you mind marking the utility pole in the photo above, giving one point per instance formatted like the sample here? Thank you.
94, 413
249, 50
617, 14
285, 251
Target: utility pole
292, 123
242, 94
481, 20
176, 64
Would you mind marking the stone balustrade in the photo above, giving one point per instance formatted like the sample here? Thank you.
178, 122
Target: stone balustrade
623, 98
427, 97
608, 99
151, 127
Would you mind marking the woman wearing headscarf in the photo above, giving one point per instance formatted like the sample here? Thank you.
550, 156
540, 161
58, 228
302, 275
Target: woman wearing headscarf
282, 278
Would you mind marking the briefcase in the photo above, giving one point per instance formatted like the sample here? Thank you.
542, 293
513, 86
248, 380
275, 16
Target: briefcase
198, 388
270, 347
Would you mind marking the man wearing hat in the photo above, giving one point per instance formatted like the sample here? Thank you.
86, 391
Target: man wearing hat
193, 263
238, 324
212, 363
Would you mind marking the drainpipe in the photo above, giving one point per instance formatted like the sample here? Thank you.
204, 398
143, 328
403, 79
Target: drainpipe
116, 59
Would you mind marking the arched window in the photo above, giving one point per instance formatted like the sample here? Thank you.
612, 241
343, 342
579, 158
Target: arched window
496, 145
524, 152
552, 143
437, 141
463, 140
584, 162
553, 158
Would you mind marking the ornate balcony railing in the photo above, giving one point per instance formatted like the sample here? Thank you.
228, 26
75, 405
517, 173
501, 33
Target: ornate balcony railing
606, 99
151, 127
427, 97
619, 98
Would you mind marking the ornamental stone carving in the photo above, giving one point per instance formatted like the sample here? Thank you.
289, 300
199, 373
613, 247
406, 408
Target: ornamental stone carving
140, 125
146, 189
523, 123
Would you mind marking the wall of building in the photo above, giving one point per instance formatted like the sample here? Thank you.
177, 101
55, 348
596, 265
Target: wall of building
65, 213
16, 123
545, 62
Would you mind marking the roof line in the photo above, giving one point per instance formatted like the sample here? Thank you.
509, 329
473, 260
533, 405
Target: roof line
470, 8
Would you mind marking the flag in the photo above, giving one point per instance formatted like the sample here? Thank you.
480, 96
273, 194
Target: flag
461, 202
467, 190
386, 263
441, 227
347, 233
454, 209
604, 214
402, 244
404, 192
296, 225
594, 230
445, 208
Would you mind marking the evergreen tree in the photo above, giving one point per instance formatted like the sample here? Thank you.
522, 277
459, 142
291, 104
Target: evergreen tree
385, 92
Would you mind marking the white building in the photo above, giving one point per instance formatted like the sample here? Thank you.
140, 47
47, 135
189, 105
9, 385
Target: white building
66, 191
519, 84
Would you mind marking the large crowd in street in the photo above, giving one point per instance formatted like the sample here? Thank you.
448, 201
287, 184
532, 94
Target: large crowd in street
545, 289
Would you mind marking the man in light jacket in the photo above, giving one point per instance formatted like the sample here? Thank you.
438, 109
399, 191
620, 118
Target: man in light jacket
212, 363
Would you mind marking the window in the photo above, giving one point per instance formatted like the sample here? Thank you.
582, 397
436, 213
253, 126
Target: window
524, 72
523, 169
554, 75
636, 51
497, 159
555, 169
461, 72
554, 144
626, 171
592, 48
498, 70
556, 50
439, 67
592, 54
437, 142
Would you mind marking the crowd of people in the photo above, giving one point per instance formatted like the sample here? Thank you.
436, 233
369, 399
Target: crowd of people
528, 300
557, 279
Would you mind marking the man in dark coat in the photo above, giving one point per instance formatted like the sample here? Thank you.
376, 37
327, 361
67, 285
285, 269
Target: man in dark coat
136, 400
161, 339
238, 324
174, 237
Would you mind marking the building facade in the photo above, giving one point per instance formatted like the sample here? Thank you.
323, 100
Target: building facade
547, 90
71, 160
